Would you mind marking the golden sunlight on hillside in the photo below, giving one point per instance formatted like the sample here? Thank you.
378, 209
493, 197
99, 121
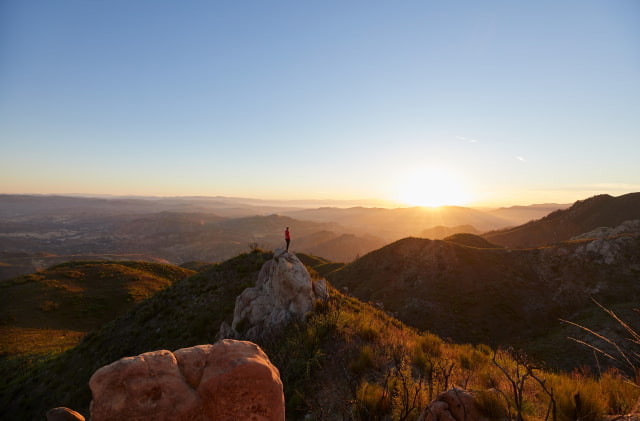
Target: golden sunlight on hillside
432, 187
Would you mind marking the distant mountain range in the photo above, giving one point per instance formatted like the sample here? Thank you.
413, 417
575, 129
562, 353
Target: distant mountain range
39, 231
393, 224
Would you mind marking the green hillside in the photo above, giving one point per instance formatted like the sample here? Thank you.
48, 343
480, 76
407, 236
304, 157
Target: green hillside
55, 307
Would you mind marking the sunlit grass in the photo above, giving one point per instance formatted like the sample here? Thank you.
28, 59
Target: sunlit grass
18, 341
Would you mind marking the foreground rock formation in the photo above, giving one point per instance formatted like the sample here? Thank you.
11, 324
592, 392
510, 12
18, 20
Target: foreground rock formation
230, 380
284, 291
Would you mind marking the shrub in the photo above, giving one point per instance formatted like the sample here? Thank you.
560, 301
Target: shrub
372, 400
48, 306
490, 404
430, 344
484, 349
620, 395
578, 399
409, 392
471, 360
363, 361
367, 332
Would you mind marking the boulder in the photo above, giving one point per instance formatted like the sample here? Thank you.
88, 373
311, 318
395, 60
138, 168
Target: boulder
63, 414
284, 290
230, 380
453, 405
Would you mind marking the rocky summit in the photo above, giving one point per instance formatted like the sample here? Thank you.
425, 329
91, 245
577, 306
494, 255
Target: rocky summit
284, 291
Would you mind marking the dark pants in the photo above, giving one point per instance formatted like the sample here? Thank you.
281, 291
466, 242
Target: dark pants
287, 240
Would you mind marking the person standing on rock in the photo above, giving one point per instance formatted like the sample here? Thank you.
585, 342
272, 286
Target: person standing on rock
287, 237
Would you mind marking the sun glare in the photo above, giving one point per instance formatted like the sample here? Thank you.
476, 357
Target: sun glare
432, 188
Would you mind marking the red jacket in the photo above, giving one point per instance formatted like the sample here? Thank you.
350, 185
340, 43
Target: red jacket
286, 235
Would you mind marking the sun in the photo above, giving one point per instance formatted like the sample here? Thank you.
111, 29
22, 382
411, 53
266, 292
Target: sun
432, 187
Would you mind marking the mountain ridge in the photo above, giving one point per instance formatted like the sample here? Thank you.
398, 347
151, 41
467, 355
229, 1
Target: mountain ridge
561, 225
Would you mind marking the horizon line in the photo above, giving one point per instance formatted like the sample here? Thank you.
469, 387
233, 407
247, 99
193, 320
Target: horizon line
310, 202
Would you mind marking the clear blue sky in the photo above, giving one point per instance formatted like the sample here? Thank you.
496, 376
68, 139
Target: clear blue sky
518, 102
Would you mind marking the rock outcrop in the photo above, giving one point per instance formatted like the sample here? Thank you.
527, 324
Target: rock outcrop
230, 380
607, 251
284, 291
627, 227
453, 405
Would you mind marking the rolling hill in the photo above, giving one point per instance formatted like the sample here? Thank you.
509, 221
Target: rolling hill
55, 307
471, 240
440, 232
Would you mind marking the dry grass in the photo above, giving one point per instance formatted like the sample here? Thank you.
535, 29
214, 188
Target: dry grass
359, 363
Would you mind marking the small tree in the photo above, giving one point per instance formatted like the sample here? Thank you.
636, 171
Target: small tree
524, 369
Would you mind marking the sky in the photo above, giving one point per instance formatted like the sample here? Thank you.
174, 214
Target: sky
422, 102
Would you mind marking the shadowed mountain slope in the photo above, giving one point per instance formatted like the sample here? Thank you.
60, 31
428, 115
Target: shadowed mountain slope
493, 296
562, 225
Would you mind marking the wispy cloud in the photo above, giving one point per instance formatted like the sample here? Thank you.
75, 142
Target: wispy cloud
467, 139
